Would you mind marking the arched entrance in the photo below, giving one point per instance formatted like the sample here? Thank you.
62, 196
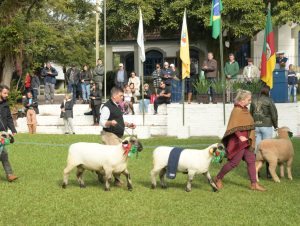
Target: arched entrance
152, 57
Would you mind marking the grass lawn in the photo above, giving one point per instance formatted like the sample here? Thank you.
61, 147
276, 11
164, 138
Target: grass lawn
37, 198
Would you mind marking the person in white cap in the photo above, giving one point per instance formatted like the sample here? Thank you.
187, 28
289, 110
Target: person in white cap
281, 60
121, 77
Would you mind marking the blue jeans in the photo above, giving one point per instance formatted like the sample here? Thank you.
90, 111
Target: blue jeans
86, 91
292, 90
262, 133
146, 105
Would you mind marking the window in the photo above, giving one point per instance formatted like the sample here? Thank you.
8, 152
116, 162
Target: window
152, 57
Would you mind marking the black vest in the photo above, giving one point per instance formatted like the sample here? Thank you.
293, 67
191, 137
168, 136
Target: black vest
117, 115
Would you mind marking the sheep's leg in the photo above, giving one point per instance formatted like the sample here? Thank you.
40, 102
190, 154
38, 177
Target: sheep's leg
210, 181
128, 178
79, 173
67, 171
281, 167
154, 173
289, 168
162, 178
107, 178
191, 175
272, 169
100, 177
258, 165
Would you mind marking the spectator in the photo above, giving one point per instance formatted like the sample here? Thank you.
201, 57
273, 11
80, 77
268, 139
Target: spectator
27, 82
147, 95
163, 96
251, 72
210, 68
166, 74
72, 78
128, 99
96, 101
31, 109
265, 116
35, 86
239, 140
121, 77
136, 81
292, 83
176, 87
6, 123
281, 60
190, 82
99, 74
85, 78
49, 73
156, 76
231, 71
67, 113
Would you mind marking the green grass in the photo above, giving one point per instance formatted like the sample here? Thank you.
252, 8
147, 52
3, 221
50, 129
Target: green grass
36, 198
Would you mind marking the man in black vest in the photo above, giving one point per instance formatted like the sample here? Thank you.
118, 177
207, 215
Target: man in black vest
6, 122
111, 119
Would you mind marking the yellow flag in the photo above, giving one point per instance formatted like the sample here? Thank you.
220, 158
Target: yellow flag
185, 49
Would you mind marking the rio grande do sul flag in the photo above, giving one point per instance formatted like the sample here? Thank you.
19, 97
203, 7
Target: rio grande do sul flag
268, 58
215, 18
185, 49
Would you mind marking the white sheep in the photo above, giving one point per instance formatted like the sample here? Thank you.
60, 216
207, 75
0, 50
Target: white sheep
104, 159
191, 161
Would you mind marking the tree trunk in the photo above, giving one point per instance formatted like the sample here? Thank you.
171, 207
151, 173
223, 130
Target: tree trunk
8, 69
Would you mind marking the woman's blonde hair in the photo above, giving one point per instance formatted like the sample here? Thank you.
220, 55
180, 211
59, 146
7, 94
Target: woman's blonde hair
68, 96
242, 95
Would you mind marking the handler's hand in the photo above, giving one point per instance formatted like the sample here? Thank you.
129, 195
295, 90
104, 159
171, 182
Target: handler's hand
113, 123
242, 138
131, 125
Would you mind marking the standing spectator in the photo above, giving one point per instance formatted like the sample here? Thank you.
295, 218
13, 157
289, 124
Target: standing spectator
49, 73
67, 113
147, 95
166, 74
251, 72
85, 78
137, 83
239, 140
156, 76
292, 83
6, 123
176, 87
163, 96
35, 86
99, 74
210, 68
264, 112
27, 82
281, 60
128, 98
121, 77
31, 109
190, 82
96, 101
72, 77
231, 71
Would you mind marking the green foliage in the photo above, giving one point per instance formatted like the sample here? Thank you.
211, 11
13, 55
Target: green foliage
254, 87
37, 198
201, 86
218, 87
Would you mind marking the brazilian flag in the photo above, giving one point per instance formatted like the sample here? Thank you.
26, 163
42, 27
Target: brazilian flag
215, 18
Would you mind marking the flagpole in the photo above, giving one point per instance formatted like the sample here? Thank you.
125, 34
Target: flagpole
105, 68
182, 97
222, 69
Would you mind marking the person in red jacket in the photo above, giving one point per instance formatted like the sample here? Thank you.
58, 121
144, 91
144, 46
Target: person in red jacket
27, 82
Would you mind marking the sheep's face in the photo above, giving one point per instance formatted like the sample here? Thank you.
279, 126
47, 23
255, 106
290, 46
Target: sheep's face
218, 152
6, 135
284, 132
133, 141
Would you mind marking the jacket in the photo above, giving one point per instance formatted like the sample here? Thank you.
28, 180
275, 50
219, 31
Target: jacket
72, 76
33, 105
49, 78
6, 120
35, 82
98, 98
86, 76
68, 106
212, 68
27, 81
264, 112
125, 78
232, 69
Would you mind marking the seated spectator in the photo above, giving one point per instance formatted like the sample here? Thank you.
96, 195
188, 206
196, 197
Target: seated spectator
133, 91
96, 101
292, 83
31, 109
163, 96
128, 100
147, 94
136, 81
